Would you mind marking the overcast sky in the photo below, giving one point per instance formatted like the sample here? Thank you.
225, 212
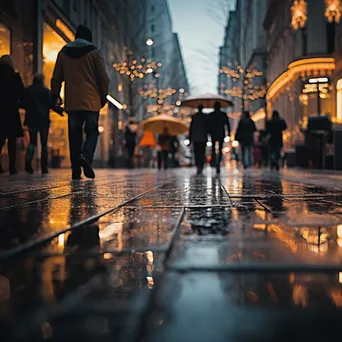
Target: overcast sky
200, 25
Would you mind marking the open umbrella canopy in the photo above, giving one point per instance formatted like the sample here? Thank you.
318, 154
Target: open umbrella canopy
207, 100
157, 124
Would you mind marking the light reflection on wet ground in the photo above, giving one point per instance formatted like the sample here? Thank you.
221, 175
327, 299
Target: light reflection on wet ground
119, 267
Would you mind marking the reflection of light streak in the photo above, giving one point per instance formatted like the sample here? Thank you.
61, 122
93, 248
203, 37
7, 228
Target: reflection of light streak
300, 295
149, 256
61, 240
109, 232
150, 282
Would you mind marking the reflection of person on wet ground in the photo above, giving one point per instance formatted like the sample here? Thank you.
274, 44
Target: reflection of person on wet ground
219, 128
199, 137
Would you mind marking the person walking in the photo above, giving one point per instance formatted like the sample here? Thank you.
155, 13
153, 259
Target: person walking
81, 66
219, 128
274, 129
245, 136
164, 142
199, 137
12, 93
37, 119
174, 151
131, 141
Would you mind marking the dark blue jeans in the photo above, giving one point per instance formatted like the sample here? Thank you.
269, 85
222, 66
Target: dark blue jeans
275, 157
79, 121
44, 133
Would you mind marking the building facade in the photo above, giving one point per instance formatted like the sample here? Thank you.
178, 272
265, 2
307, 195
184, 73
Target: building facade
243, 60
303, 48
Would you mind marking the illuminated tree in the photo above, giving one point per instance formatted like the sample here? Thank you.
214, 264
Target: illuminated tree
245, 89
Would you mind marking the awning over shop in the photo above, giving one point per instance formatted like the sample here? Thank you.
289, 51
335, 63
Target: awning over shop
307, 67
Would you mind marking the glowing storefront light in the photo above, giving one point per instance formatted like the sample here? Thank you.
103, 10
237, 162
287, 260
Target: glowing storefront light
5, 41
318, 67
299, 12
333, 10
339, 99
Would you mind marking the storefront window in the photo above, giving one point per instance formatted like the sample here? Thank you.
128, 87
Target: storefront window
339, 99
58, 139
5, 40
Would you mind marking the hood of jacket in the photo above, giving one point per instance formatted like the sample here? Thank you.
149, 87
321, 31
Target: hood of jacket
78, 48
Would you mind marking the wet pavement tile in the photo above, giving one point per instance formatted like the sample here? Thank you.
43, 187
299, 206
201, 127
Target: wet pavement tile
225, 307
71, 296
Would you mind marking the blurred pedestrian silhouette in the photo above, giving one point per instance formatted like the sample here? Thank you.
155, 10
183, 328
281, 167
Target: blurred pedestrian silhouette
164, 143
245, 136
81, 66
174, 151
274, 129
199, 137
12, 93
131, 141
37, 119
219, 128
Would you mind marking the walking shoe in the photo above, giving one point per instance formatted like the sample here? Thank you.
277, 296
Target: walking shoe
76, 173
45, 171
218, 170
28, 168
87, 169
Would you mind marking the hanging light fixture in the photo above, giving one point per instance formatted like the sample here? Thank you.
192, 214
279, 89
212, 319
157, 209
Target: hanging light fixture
299, 11
333, 10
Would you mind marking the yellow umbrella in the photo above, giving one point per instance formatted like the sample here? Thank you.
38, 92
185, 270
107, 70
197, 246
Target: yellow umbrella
157, 124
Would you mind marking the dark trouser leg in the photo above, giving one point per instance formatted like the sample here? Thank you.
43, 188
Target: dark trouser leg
220, 155
12, 153
159, 159
244, 156
275, 156
92, 134
197, 155
44, 133
2, 143
199, 151
213, 154
130, 150
32, 146
75, 121
166, 159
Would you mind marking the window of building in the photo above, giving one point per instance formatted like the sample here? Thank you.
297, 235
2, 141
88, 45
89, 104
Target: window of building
339, 99
5, 40
331, 37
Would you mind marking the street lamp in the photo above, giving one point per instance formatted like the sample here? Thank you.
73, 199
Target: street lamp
149, 42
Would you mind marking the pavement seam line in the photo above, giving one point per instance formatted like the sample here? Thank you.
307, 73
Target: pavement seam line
145, 314
27, 247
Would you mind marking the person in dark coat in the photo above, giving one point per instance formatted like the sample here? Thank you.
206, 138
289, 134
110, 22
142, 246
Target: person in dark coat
11, 94
245, 136
219, 128
37, 119
274, 129
131, 141
174, 150
199, 137
164, 142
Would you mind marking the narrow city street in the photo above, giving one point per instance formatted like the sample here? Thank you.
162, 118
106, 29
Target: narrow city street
170, 256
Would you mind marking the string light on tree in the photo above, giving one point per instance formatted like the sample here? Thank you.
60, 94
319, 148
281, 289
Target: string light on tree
299, 11
333, 10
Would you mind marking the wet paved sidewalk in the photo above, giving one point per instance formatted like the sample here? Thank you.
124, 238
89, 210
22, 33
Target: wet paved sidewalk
142, 256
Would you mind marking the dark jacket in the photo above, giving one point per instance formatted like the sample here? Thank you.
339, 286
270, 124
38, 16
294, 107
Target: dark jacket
38, 105
164, 142
81, 66
218, 125
245, 132
275, 128
11, 95
199, 128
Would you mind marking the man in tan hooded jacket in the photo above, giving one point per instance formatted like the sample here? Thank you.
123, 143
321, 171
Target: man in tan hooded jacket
81, 66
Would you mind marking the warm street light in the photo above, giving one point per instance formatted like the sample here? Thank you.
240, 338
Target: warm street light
149, 42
